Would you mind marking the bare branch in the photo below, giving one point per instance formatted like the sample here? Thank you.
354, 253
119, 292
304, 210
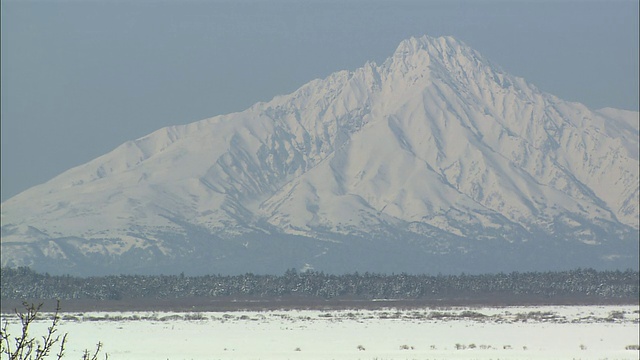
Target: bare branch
27, 347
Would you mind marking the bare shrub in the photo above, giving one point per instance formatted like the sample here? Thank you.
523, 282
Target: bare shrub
472, 314
438, 315
89, 356
170, 318
616, 315
27, 347
195, 316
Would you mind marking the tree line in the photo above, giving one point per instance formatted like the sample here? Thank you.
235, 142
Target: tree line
24, 283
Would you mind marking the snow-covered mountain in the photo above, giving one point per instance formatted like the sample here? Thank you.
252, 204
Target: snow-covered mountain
434, 161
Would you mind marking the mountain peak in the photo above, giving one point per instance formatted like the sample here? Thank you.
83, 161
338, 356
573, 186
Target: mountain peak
439, 47
432, 155
446, 58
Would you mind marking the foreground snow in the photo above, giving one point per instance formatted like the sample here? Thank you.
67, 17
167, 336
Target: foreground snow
580, 332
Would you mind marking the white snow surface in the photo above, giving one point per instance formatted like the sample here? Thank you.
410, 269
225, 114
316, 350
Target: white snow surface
550, 332
436, 137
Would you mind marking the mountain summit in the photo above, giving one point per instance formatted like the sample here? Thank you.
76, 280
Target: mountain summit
434, 161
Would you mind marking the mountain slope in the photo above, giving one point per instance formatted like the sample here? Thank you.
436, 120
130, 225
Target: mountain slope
436, 160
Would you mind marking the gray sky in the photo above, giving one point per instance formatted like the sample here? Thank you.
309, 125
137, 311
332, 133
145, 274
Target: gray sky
81, 77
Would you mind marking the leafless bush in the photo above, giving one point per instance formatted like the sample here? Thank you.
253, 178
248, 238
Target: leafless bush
472, 314
27, 347
616, 315
89, 356
195, 316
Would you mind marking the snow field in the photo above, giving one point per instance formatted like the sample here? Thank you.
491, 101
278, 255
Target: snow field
576, 332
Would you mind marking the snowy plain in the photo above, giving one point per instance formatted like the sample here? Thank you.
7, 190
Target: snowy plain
539, 332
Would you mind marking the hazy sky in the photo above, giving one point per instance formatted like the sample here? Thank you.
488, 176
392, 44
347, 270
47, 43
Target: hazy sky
81, 77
